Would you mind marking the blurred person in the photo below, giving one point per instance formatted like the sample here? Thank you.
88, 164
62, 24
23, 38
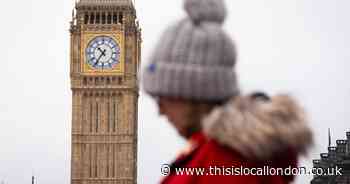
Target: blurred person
191, 76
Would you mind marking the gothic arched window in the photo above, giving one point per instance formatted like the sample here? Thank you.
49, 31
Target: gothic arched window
103, 18
98, 18
92, 18
109, 18
115, 18
86, 18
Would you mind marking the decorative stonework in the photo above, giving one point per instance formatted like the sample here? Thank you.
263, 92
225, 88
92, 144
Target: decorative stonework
104, 105
105, 2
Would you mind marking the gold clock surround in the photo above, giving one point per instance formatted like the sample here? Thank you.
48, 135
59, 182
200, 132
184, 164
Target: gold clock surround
88, 36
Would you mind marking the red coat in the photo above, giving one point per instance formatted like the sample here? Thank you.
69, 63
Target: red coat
247, 129
208, 153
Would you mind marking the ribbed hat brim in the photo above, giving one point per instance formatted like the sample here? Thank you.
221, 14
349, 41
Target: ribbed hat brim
199, 82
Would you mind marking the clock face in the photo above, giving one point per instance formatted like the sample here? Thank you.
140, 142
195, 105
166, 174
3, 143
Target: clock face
103, 52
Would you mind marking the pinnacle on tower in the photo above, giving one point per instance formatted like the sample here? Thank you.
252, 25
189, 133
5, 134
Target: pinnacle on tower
329, 138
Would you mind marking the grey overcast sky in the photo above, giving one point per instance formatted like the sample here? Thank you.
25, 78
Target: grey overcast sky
300, 47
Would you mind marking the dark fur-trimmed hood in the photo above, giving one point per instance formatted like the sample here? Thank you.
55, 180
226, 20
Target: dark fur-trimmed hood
260, 127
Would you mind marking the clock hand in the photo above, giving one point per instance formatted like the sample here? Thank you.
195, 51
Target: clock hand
100, 50
98, 59
103, 52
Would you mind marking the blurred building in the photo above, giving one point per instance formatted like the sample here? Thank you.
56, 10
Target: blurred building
337, 157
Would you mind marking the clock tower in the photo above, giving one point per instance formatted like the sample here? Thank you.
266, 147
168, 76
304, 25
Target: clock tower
104, 66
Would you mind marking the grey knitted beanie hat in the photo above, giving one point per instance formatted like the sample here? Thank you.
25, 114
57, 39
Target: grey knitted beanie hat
194, 58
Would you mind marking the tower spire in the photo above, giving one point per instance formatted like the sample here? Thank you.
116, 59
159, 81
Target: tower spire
329, 138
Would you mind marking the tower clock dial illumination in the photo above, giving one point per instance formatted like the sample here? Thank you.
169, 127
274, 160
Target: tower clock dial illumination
103, 52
